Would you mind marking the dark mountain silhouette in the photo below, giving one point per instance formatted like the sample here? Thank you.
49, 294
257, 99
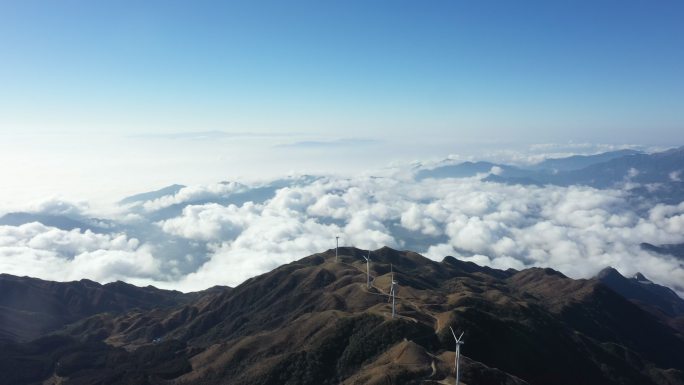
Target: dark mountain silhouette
314, 321
659, 300
31, 307
676, 250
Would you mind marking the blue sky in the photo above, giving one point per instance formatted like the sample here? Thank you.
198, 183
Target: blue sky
364, 66
428, 72
104, 99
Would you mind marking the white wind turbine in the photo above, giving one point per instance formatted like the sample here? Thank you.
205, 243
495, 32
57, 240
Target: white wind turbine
458, 353
337, 246
367, 269
393, 289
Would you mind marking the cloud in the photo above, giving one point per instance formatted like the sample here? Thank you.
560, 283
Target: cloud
194, 193
211, 222
54, 205
577, 230
50, 253
269, 241
415, 219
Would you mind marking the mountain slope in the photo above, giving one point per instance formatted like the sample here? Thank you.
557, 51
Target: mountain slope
659, 300
657, 176
151, 195
578, 162
660, 167
31, 307
314, 321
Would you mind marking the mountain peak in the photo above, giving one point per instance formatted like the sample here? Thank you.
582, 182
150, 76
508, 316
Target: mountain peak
609, 273
659, 300
641, 278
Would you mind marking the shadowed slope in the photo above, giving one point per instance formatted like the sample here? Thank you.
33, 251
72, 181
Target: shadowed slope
31, 307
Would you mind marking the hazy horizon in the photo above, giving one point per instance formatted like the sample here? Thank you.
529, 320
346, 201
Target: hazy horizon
105, 169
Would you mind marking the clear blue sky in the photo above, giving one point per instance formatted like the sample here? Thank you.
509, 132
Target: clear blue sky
517, 70
87, 86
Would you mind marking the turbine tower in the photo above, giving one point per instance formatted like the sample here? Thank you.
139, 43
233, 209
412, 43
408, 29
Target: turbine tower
337, 246
458, 353
393, 290
367, 269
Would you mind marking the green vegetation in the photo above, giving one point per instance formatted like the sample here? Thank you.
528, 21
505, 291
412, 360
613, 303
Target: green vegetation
352, 342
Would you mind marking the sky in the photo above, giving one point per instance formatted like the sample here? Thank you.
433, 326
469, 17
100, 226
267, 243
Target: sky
156, 92
101, 100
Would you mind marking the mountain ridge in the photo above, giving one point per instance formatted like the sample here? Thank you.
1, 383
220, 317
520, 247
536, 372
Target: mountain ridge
32, 307
314, 321
655, 175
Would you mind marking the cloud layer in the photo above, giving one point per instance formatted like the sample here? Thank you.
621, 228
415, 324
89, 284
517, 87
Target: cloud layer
577, 230
40, 251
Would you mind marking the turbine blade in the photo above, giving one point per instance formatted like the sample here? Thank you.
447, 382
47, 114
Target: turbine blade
452, 332
461, 336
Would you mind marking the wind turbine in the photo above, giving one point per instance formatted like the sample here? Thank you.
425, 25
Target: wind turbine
337, 246
458, 352
393, 290
367, 269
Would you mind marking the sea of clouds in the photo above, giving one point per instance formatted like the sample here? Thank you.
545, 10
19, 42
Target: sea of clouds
199, 236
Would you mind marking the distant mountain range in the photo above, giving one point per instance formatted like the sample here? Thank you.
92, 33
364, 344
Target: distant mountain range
64, 222
676, 250
578, 162
151, 195
541, 170
659, 175
314, 321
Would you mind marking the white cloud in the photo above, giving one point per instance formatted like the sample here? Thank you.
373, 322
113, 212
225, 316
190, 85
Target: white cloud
365, 230
330, 205
194, 193
417, 219
270, 241
577, 230
211, 222
50, 253
496, 170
